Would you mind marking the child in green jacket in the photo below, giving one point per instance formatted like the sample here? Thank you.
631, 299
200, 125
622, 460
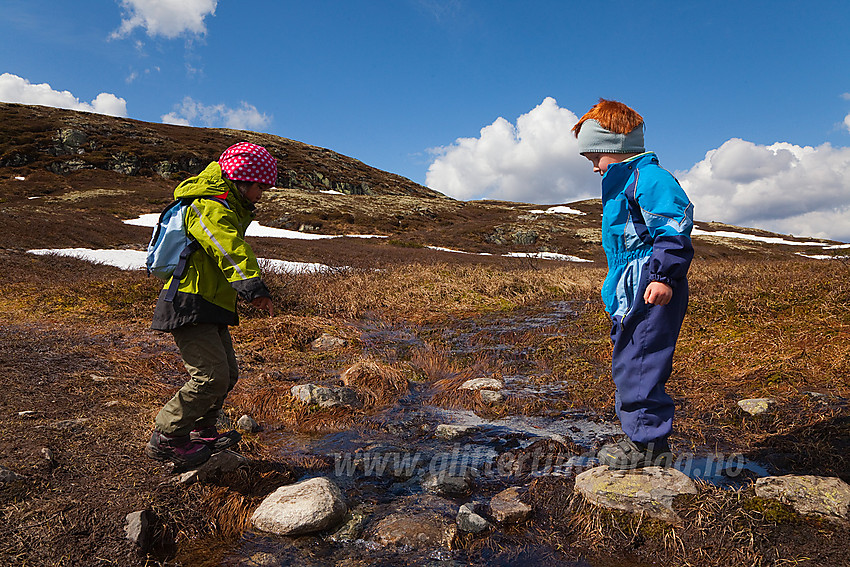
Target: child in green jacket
198, 315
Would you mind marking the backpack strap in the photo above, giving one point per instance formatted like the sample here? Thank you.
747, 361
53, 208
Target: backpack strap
180, 270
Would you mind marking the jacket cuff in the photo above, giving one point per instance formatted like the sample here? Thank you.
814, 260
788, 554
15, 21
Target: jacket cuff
662, 279
251, 288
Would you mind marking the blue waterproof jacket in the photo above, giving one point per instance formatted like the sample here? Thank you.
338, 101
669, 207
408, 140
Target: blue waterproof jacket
646, 227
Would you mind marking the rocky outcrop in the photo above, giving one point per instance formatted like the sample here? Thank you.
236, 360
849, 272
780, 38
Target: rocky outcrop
304, 507
650, 490
824, 496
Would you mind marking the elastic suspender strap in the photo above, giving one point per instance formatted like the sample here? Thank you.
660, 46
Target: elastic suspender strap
180, 270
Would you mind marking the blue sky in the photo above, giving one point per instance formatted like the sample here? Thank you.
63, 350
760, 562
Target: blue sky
746, 102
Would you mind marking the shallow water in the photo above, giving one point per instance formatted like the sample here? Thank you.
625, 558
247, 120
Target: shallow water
385, 460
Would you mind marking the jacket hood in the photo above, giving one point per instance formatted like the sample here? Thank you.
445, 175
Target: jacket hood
208, 183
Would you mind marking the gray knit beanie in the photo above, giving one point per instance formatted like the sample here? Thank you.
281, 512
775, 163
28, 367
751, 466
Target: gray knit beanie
593, 138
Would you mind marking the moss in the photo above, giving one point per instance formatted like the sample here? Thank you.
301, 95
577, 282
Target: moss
771, 510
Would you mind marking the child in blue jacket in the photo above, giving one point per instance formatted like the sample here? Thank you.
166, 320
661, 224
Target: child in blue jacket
646, 227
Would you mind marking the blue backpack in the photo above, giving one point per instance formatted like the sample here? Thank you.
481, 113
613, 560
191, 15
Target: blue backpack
170, 246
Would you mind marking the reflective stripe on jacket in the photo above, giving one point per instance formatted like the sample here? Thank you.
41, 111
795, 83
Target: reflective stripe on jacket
646, 225
223, 267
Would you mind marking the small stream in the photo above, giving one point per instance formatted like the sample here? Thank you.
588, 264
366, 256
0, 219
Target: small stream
387, 460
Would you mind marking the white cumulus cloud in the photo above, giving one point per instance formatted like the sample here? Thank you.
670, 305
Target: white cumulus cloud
782, 187
19, 90
192, 113
534, 161
168, 18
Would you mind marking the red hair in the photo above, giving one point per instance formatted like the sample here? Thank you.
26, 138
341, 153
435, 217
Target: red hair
613, 116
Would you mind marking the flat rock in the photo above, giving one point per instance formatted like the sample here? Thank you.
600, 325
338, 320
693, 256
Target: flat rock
304, 507
483, 384
507, 508
650, 490
824, 496
218, 464
757, 406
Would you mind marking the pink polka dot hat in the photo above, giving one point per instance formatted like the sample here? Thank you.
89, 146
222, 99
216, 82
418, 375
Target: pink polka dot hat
249, 162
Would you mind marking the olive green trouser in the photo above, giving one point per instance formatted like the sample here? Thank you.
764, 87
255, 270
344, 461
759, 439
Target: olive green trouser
208, 356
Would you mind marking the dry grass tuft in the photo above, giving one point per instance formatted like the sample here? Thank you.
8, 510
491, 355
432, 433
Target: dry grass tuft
377, 384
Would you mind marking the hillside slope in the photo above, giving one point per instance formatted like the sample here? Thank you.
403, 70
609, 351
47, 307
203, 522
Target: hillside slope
86, 173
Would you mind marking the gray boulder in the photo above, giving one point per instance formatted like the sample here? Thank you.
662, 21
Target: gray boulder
824, 496
470, 522
304, 507
650, 490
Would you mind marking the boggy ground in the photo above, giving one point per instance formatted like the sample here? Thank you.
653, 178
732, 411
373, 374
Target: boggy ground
75, 349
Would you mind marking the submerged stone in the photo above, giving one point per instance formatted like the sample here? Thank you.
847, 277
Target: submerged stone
825, 496
420, 530
650, 490
451, 432
304, 507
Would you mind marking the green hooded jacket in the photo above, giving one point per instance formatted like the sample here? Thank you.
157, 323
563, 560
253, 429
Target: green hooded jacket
224, 266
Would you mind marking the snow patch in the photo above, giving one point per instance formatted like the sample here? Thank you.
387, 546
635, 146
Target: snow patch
559, 210
256, 229
742, 236
546, 256
135, 260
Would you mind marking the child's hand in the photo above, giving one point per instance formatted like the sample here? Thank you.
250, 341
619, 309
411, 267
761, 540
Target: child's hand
264, 303
658, 293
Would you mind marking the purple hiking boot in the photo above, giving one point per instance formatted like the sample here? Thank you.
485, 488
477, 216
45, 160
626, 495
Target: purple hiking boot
216, 441
181, 450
